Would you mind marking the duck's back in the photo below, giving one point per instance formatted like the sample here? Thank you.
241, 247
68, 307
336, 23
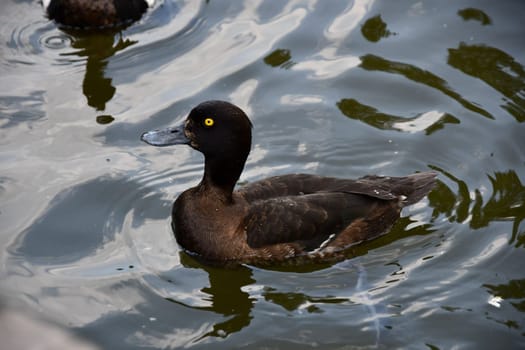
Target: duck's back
95, 13
412, 187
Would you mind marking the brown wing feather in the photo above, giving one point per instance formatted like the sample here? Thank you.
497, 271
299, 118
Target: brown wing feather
308, 219
307, 209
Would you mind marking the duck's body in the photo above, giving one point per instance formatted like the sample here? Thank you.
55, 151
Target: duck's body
281, 217
95, 13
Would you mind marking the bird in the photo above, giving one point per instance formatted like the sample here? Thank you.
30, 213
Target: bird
95, 14
283, 218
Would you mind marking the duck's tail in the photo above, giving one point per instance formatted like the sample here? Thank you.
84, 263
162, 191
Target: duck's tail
409, 189
413, 188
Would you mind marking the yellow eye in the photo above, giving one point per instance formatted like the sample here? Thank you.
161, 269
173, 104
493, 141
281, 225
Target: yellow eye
209, 122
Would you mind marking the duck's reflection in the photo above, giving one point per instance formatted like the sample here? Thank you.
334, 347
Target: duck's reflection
226, 295
300, 301
506, 203
98, 48
231, 296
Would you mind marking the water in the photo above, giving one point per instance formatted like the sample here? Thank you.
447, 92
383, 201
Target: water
333, 88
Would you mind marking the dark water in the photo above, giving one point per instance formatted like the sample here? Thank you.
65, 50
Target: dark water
335, 88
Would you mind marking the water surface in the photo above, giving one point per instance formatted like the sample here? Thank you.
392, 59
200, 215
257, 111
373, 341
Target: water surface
333, 88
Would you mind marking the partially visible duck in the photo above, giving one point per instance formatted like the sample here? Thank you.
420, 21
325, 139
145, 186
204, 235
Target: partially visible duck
281, 217
96, 13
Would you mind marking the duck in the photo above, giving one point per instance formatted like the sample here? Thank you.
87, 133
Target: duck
99, 14
305, 217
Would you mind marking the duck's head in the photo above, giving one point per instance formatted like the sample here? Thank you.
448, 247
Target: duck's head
219, 130
215, 128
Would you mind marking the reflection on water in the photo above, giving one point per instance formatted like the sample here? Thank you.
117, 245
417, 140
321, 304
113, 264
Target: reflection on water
375, 28
475, 15
497, 69
512, 293
226, 296
234, 292
105, 119
98, 47
279, 58
515, 289
506, 203
418, 75
337, 89
429, 121
296, 301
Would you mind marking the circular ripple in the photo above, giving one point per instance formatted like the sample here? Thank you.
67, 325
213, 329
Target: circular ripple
35, 42
56, 41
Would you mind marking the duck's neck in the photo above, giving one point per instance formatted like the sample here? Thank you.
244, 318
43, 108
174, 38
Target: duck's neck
221, 175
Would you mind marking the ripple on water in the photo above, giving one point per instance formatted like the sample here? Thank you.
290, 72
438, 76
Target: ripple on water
56, 41
41, 40
35, 42
93, 245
